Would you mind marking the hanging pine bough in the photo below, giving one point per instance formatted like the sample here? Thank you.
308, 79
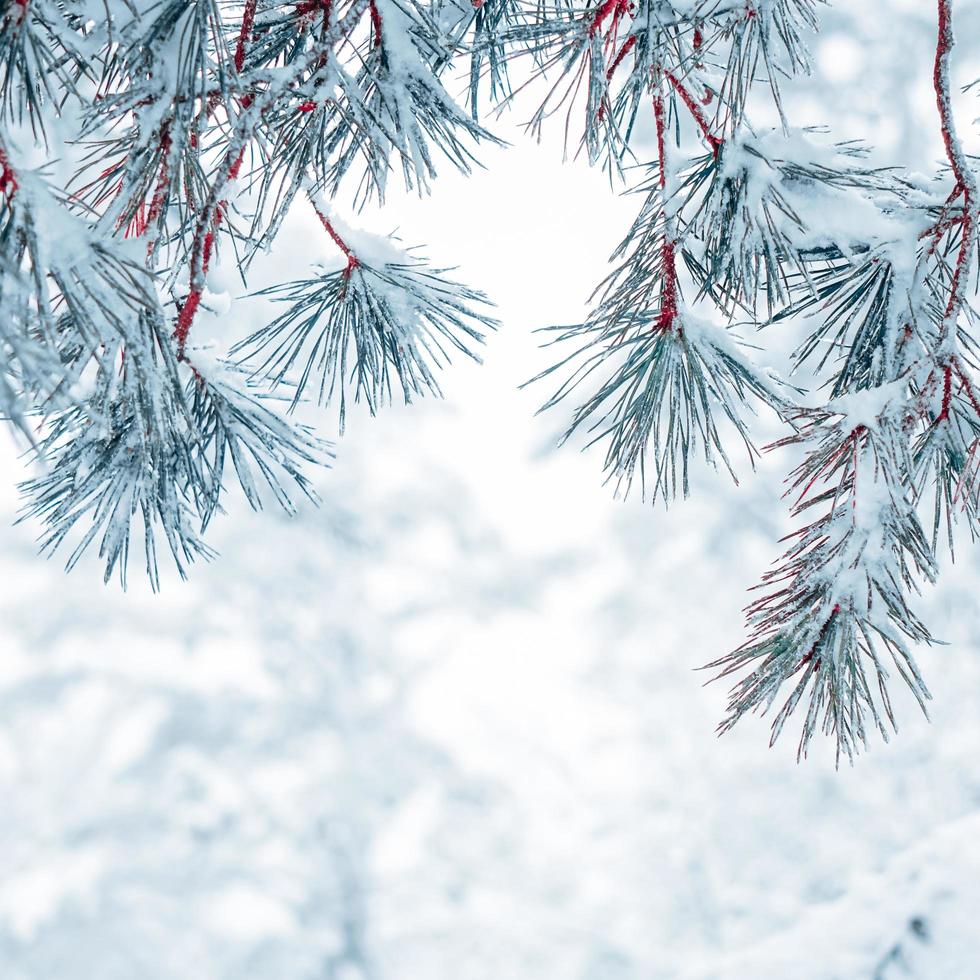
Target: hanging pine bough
383, 319
198, 125
195, 125
743, 229
840, 594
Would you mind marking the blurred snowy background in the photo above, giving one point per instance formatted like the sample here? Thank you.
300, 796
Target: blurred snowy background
448, 726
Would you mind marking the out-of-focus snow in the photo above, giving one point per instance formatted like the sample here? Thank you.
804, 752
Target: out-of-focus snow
449, 725
933, 888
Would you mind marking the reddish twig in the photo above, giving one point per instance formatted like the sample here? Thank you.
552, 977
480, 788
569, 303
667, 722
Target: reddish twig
658, 115
162, 187
211, 216
201, 260
248, 19
947, 394
668, 252
965, 178
204, 238
611, 70
307, 7
8, 179
668, 287
628, 45
715, 142
352, 260
607, 7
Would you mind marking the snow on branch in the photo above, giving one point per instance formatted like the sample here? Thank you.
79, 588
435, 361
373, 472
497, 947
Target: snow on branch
835, 614
744, 230
194, 129
383, 321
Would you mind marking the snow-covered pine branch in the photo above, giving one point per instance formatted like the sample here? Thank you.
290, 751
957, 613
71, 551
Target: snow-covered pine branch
196, 126
743, 230
382, 321
835, 617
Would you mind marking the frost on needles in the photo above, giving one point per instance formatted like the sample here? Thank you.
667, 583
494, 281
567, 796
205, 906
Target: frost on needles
193, 127
189, 129
745, 231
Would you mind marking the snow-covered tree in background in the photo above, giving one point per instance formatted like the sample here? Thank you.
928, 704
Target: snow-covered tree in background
192, 127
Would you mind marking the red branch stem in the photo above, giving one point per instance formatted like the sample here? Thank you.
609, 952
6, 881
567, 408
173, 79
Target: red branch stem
658, 115
668, 287
201, 260
947, 393
248, 19
623, 52
352, 260
8, 179
668, 250
965, 178
606, 8
253, 105
163, 181
715, 142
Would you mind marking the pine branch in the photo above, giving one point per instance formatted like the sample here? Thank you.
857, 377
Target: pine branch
905, 422
383, 322
835, 611
197, 127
